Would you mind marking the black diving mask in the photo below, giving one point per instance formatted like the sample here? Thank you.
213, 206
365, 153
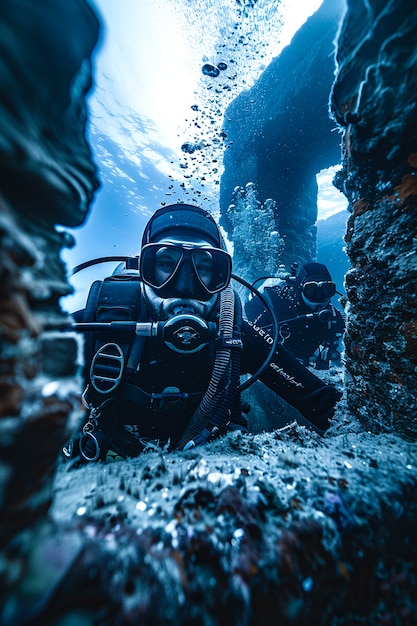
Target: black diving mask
162, 263
319, 291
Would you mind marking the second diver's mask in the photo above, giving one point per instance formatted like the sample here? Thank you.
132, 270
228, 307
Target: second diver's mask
317, 295
319, 291
315, 285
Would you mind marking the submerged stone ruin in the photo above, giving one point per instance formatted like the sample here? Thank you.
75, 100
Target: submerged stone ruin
280, 135
275, 528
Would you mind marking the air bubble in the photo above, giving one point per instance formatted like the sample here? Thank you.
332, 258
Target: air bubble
188, 147
210, 70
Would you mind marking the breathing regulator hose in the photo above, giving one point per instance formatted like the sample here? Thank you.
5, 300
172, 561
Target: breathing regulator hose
208, 409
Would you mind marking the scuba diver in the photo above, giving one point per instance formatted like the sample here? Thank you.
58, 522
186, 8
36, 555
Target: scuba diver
310, 326
166, 344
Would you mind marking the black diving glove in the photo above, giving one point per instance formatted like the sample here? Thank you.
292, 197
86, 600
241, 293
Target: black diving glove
205, 436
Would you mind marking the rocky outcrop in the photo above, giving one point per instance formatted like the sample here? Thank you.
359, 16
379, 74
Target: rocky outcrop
273, 529
373, 99
279, 135
47, 177
46, 168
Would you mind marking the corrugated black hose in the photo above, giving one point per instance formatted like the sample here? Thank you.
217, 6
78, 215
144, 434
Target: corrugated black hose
220, 379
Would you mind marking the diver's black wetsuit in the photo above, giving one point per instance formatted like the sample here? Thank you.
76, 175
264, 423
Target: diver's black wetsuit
304, 333
285, 375
162, 368
141, 390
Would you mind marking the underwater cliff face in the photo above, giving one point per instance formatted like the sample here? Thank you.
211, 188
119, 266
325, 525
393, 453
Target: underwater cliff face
47, 177
374, 100
42, 124
280, 134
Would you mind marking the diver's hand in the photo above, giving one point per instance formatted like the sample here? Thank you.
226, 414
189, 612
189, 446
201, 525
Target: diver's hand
205, 436
320, 359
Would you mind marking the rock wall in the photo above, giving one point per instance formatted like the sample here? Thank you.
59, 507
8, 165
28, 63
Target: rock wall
46, 168
374, 100
279, 135
47, 177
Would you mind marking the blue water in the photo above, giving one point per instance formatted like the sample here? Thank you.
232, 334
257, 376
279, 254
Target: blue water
152, 98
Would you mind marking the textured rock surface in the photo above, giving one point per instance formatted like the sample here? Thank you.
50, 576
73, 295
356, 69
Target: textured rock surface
42, 121
281, 136
46, 178
373, 98
272, 529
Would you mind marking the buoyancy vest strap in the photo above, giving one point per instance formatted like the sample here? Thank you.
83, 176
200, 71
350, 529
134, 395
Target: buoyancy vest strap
113, 299
119, 299
158, 401
89, 315
137, 346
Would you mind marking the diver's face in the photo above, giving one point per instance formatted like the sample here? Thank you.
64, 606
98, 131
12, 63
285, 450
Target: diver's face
165, 308
316, 295
186, 283
315, 306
